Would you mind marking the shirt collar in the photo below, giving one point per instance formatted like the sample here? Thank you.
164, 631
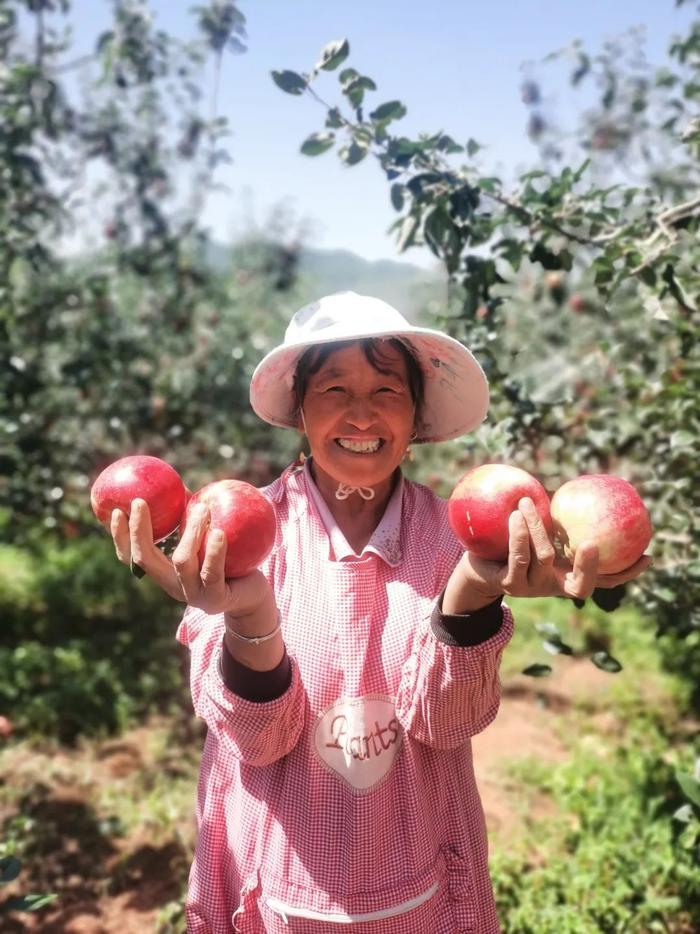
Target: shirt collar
386, 538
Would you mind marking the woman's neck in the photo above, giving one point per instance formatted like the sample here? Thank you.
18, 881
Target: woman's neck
357, 517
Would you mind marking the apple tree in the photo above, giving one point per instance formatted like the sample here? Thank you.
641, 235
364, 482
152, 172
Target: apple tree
115, 334
577, 285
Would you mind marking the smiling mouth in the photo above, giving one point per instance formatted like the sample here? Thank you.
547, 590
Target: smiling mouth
360, 447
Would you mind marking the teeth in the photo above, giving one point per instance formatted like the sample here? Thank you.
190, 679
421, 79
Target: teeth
361, 447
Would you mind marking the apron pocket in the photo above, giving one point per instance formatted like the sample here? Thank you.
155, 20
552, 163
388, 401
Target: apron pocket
461, 895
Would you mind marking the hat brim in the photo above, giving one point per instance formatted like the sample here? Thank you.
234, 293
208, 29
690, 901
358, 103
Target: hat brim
456, 393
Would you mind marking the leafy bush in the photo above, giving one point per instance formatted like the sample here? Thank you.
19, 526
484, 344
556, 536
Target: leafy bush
84, 646
615, 859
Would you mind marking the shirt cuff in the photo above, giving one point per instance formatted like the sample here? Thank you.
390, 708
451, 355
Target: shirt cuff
465, 629
257, 686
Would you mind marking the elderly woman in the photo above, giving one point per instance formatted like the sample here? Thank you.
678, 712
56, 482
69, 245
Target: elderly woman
342, 681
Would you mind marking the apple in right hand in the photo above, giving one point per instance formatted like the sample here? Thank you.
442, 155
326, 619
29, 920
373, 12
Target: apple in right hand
607, 511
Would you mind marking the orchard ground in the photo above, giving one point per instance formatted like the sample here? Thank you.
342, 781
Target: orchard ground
109, 825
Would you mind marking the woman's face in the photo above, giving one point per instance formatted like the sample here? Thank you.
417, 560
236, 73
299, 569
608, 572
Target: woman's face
359, 421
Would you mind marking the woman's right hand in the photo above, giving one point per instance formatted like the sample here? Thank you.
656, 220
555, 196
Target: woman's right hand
181, 577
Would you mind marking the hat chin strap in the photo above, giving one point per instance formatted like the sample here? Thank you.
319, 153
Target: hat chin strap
344, 490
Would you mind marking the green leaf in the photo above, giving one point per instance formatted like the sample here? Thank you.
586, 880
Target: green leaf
511, 250
28, 902
407, 232
684, 813
353, 153
317, 143
446, 144
690, 786
10, 868
103, 40
334, 119
472, 147
334, 54
549, 260
555, 646
609, 598
582, 69
489, 184
578, 174
289, 81
355, 90
606, 662
537, 670
553, 642
435, 228
648, 276
681, 439
347, 75
392, 110
397, 198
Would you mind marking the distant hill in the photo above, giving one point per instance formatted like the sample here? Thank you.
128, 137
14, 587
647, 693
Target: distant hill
406, 286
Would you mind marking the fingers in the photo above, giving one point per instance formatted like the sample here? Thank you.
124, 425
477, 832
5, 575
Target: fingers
141, 532
622, 577
541, 544
119, 528
516, 571
582, 580
212, 573
186, 554
144, 553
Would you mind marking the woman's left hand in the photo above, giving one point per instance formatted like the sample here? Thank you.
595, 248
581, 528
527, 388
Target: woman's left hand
533, 568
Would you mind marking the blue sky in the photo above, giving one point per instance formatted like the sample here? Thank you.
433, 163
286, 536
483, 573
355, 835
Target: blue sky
455, 64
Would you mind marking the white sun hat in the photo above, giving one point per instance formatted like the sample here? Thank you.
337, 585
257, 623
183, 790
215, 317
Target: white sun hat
456, 394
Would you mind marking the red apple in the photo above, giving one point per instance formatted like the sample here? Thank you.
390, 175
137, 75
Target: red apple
482, 501
246, 518
140, 477
607, 511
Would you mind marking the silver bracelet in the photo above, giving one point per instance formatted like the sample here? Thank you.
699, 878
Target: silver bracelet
256, 640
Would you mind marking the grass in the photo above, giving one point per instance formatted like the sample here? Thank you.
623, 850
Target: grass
599, 849
625, 634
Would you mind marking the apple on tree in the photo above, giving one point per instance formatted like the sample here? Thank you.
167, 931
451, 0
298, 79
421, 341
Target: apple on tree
607, 511
140, 476
482, 501
246, 518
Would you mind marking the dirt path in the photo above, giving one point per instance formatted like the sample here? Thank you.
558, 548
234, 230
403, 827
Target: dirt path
112, 884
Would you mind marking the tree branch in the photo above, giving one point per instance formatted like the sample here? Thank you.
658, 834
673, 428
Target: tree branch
665, 223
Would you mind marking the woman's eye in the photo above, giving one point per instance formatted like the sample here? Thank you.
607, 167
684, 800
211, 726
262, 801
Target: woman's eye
387, 389
334, 389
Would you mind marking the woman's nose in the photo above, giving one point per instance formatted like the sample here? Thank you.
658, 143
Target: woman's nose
360, 413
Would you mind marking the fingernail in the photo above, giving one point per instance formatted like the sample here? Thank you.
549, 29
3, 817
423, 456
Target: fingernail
199, 511
216, 536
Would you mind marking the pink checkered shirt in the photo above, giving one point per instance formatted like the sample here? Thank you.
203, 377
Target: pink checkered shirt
350, 800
